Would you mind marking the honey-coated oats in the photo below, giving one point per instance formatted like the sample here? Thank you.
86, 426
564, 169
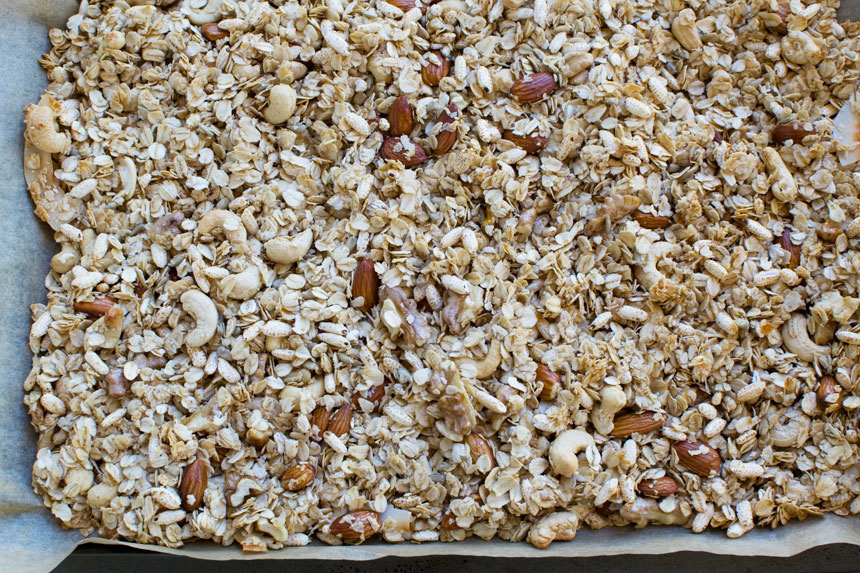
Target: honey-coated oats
441, 270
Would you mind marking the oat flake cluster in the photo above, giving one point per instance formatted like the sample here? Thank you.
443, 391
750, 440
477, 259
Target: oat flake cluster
502, 268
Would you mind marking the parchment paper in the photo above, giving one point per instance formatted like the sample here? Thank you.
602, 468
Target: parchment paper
30, 538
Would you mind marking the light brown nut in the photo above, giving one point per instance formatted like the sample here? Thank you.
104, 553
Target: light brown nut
392, 148
96, 307
793, 250
528, 143
341, 420
401, 119
780, 25
659, 487
299, 476
213, 32
449, 521
699, 458
551, 382
365, 284
117, 384
829, 394
435, 69
635, 423
651, 221
356, 525
193, 484
446, 138
478, 446
533, 87
793, 132
406, 5
320, 418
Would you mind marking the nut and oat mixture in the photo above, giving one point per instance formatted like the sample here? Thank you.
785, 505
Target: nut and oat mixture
506, 268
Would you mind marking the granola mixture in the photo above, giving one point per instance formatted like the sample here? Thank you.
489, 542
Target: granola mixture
506, 268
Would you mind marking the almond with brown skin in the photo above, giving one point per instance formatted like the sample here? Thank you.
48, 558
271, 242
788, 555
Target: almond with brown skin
406, 5
341, 420
393, 148
793, 250
298, 477
650, 221
374, 395
365, 284
699, 458
356, 525
435, 68
401, 119
478, 446
793, 132
320, 419
446, 138
528, 143
659, 487
829, 394
213, 32
533, 87
783, 11
193, 484
96, 307
551, 382
635, 423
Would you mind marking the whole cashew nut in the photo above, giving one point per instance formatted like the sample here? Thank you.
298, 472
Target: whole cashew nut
612, 399
243, 285
562, 452
485, 367
559, 526
41, 130
644, 511
203, 310
228, 222
795, 338
67, 258
282, 104
288, 250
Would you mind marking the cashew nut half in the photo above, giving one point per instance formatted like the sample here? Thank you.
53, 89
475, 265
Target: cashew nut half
644, 511
228, 222
288, 250
782, 181
795, 337
562, 452
282, 104
41, 130
612, 399
244, 285
203, 310
201, 14
485, 367
112, 326
559, 526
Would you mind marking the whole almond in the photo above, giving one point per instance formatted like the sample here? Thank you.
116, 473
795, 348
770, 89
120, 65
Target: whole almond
341, 420
829, 394
650, 221
365, 284
356, 525
659, 487
626, 425
193, 484
446, 138
406, 5
96, 307
793, 250
392, 148
435, 68
401, 120
374, 395
533, 87
699, 458
793, 132
212, 31
528, 143
298, 477
320, 418
478, 446
783, 11
551, 382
